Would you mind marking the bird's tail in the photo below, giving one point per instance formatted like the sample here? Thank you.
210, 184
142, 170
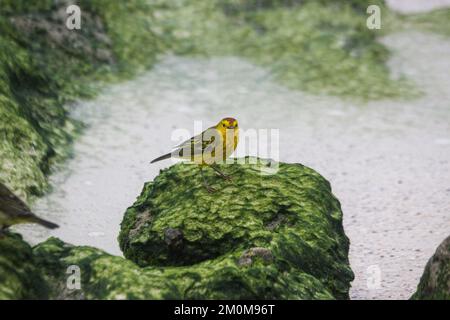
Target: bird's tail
166, 156
45, 223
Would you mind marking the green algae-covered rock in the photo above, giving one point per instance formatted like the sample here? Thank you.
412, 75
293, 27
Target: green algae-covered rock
103, 276
109, 277
435, 281
44, 65
19, 277
260, 236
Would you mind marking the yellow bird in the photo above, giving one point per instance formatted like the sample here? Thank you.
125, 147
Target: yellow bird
15, 211
212, 146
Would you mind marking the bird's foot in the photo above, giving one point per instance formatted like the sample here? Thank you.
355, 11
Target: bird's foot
227, 177
221, 174
209, 188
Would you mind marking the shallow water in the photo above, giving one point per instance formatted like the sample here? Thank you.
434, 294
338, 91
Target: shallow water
388, 161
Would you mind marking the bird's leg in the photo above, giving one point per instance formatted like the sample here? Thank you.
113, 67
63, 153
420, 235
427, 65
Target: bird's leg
205, 183
220, 173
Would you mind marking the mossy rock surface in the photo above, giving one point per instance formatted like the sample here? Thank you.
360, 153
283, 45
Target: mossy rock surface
44, 67
262, 227
110, 277
102, 276
435, 281
19, 277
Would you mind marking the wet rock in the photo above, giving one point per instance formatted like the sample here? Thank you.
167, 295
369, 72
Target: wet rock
173, 238
260, 227
435, 281
91, 41
249, 255
277, 221
141, 219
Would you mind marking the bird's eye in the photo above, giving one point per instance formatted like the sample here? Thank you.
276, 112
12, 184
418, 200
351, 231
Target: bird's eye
223, 124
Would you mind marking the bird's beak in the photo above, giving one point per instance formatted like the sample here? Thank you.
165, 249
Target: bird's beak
231, 127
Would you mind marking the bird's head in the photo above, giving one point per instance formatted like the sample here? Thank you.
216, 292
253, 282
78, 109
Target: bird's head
227, 123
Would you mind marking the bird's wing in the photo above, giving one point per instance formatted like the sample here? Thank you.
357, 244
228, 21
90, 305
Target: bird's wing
197, 144
193, 141
11, 204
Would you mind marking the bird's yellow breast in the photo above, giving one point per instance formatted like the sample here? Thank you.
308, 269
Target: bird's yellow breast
229, 140
230, 144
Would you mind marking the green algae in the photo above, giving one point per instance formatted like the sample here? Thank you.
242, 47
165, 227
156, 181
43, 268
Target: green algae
19, 277
323, 49
435, 281
108, 277
436, 21
44, 66
102, 276
316, 46
291, 216
129, 25
33, 126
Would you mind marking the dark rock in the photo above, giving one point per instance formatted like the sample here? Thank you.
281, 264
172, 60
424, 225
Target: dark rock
249, 255
173, 238
435, 281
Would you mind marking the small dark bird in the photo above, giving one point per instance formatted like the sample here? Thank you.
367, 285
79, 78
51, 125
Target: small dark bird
15, 211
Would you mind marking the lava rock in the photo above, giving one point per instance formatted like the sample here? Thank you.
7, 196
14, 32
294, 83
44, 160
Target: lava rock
249, 255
